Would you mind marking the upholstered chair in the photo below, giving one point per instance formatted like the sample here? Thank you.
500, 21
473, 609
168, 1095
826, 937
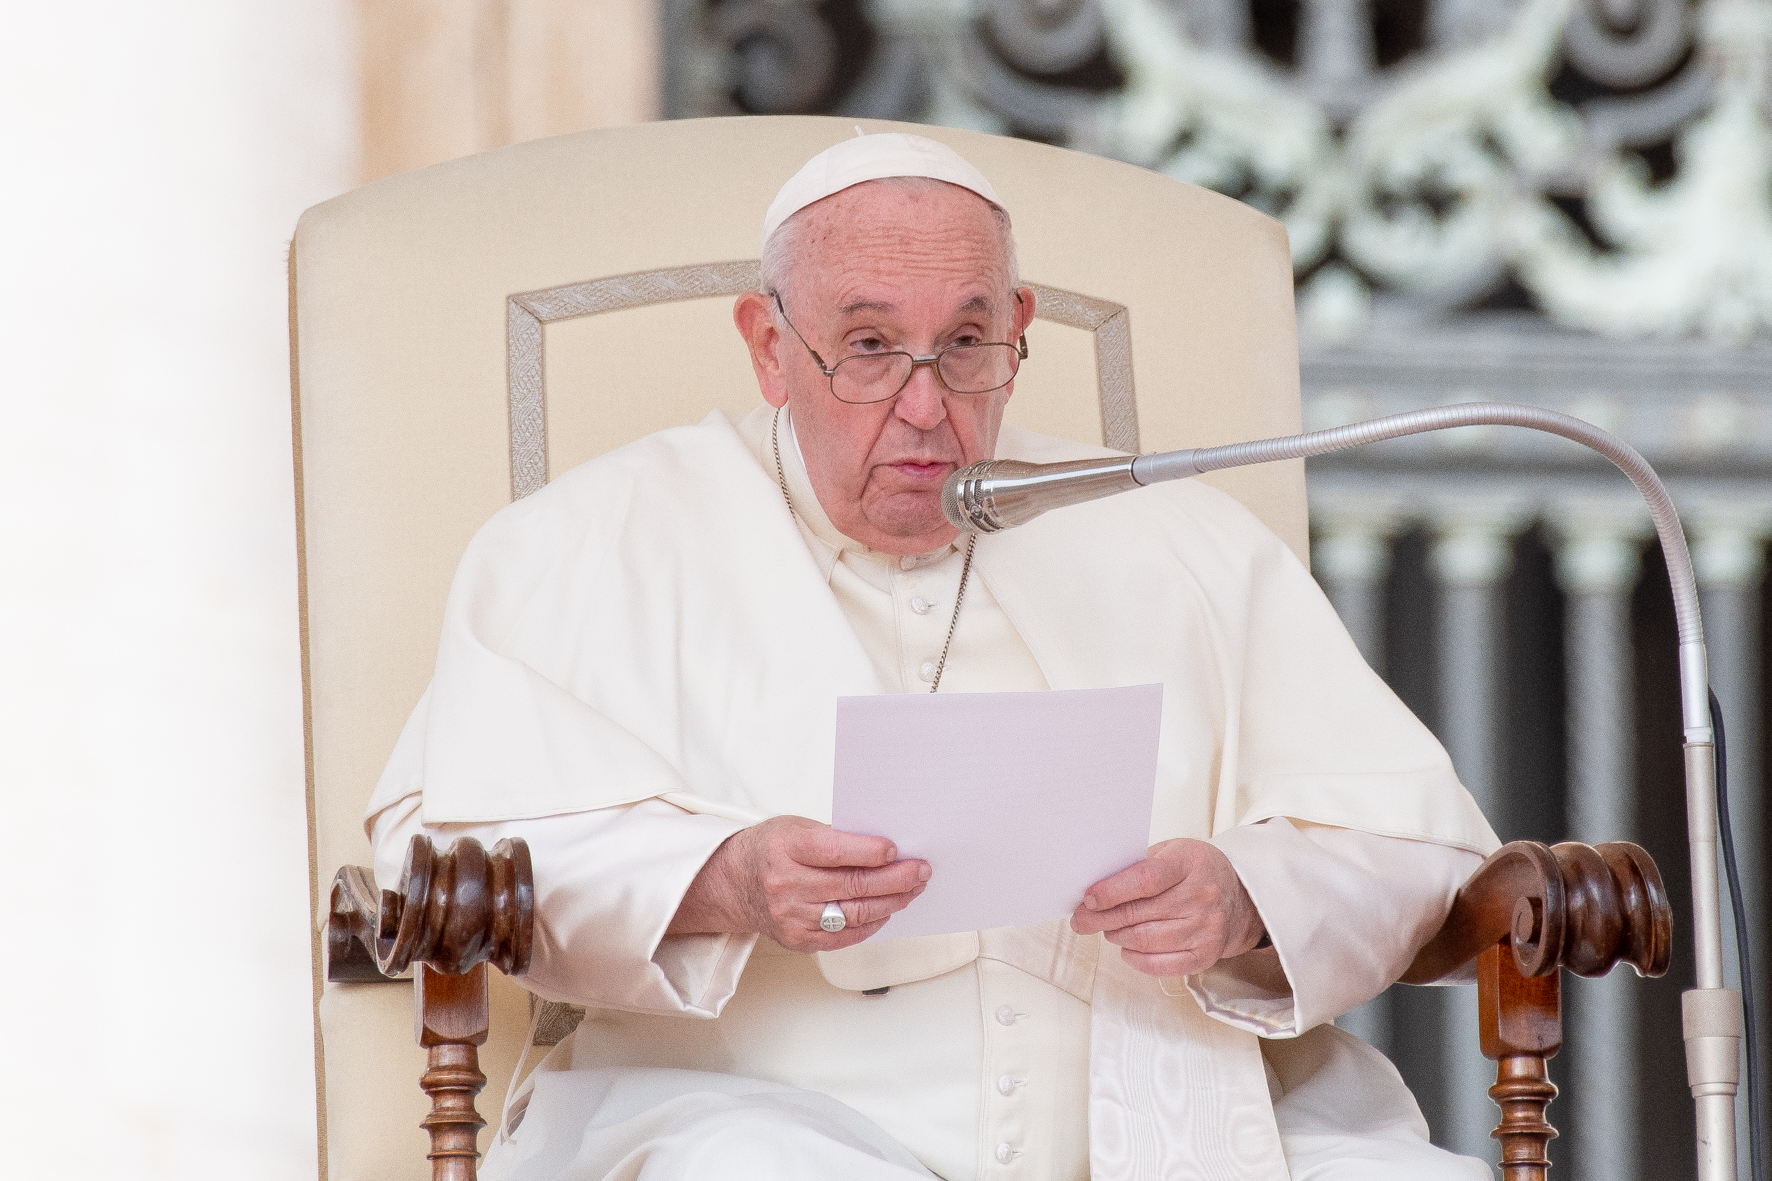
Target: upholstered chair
462, 332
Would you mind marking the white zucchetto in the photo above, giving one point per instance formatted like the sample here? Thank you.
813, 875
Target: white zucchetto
872, 157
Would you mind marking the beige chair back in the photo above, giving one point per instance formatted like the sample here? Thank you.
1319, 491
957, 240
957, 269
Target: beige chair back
462, 331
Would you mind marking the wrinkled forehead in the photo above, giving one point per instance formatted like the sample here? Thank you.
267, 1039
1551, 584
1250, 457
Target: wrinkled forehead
922, 231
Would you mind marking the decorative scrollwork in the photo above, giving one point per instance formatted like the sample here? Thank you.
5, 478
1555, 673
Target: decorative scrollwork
1045, 36
783, 55
1626, 43
1610, 156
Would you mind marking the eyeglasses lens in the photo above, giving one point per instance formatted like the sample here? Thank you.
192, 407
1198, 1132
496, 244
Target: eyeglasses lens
871, 379
979, 368
964, 369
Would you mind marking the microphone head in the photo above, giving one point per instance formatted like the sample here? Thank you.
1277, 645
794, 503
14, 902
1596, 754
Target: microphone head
953, 497
966, 498
1000, 494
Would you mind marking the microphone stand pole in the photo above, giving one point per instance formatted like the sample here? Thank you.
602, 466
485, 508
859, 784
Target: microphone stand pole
999, 494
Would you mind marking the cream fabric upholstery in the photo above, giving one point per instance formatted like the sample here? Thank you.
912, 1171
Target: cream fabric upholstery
408, 346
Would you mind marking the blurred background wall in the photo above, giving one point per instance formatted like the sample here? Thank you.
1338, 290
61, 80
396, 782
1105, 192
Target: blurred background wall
1563, 202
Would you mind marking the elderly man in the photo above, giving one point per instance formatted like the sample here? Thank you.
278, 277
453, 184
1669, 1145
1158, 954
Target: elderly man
638, 674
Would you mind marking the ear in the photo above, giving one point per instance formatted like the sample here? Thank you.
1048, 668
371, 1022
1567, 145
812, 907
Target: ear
1024, 315
754, 315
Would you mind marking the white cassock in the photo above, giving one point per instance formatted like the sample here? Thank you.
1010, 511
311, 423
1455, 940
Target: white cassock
645, 656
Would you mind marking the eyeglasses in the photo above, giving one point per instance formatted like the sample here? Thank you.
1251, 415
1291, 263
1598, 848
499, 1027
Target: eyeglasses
875, 377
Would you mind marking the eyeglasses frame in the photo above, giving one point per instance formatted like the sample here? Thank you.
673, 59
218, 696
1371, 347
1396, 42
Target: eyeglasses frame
933, 360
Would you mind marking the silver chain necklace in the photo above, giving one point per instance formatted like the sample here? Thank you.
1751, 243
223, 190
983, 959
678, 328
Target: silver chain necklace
965, 566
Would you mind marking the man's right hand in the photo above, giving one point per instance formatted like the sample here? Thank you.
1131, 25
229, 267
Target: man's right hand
774, 879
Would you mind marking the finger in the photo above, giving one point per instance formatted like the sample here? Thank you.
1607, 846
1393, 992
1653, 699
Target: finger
794, 895
827, 847
1167, 937
865, 911
848, 937
800, 939
1149, 877
865, 914
870, 883
1178, 963
1173, 903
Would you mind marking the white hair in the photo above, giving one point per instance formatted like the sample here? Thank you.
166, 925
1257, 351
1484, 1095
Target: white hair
787, 247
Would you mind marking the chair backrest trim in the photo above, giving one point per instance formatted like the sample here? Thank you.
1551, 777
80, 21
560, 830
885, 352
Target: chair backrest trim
528, 312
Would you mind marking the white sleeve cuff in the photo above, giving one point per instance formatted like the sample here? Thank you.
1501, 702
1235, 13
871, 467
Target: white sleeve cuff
607, 884
1346, 911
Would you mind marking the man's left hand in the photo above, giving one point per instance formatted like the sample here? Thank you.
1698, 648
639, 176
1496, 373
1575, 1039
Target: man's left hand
1176, 913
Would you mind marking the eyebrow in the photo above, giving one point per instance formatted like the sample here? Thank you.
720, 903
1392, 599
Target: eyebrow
867, 305
977, 303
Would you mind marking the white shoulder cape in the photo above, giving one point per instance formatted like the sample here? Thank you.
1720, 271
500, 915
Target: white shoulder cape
652, 624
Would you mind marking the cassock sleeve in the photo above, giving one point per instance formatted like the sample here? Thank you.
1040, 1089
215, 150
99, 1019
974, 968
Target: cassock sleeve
1346, 911
607, 883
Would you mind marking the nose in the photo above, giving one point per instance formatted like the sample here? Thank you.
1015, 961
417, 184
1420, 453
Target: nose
920, 402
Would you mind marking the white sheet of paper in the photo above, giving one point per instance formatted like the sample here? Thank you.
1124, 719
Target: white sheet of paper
1018, 801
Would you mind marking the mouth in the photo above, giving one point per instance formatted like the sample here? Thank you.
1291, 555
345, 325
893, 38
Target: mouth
932, 472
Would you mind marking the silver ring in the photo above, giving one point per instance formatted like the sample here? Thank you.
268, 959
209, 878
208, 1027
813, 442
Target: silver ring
832, 919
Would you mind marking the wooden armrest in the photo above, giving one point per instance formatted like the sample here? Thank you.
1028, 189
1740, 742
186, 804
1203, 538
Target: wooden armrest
453, 914
1527, 911
452, 911
1574, 906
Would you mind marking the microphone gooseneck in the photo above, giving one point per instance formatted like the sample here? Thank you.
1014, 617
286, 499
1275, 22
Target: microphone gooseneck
1002, 493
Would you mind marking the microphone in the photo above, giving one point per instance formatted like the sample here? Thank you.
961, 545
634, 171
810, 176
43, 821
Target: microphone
1000, 494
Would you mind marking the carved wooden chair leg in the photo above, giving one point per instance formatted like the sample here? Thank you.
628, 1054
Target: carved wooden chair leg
452, 1021
1522, 1026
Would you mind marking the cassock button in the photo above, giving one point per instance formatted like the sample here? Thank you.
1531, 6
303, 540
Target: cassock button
907, 563
1005, 1154
921, 605
1005, 1015
926, 670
